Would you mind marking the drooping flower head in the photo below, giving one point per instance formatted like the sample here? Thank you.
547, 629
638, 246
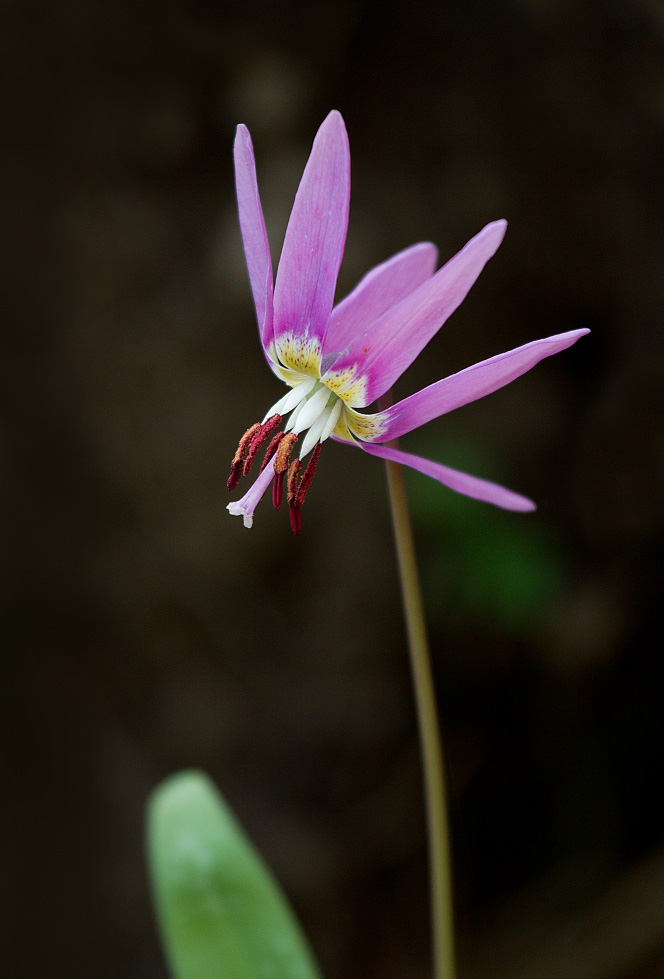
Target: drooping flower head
337, 360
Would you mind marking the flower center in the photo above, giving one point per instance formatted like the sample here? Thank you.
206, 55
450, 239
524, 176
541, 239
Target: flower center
314, 410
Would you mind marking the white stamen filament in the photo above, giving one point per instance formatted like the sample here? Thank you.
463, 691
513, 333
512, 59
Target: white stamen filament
292, 398
315, 432
332, 420
322, 427
294, 416
311, 410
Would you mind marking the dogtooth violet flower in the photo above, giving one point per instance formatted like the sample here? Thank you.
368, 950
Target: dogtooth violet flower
336, 360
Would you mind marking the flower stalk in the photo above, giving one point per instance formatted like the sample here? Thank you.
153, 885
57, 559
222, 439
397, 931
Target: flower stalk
440, 866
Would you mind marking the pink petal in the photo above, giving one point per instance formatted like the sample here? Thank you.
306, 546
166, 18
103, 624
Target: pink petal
254, 235
245, 507
468, 385
315, 238
379, 290
376, 359
477, 489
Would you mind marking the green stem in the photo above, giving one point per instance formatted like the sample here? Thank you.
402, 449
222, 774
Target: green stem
427, 714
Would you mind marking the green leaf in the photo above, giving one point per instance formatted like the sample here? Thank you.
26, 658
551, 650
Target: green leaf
221, 913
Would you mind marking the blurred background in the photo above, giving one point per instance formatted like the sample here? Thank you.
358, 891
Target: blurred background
146, 630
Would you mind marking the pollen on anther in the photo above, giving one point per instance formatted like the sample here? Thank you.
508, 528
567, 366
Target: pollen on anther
284, 450
282, 455
307, 477
293, 476
258, 438
271, 449
245, 441
236, 464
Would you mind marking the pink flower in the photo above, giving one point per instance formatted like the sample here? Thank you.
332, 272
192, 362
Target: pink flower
339, 359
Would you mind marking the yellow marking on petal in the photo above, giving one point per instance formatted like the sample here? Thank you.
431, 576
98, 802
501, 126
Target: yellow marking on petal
285, 374
368, 428
300, 353
346, 385
341, 429
337, 380
274, 364
289, 376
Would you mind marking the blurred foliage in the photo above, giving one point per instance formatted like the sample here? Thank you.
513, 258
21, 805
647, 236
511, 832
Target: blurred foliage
148, 633
479, 562
221, 913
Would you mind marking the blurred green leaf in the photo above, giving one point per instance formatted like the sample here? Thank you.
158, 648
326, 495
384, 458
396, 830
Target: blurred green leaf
221, 914
479, 562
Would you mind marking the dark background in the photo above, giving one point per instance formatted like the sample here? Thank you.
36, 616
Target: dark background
147, 631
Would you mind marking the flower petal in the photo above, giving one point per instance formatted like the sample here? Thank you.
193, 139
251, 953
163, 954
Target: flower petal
245, 507
382, 353
477, 489
313, 249
379, 290
254, 236
462, 388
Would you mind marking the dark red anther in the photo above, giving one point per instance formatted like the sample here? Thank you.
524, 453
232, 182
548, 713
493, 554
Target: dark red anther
271, 449
236, 472
282, 455
284, 450
295, 518
236, 465
278, 489
307, 477
293, 476
297, 487
258, 438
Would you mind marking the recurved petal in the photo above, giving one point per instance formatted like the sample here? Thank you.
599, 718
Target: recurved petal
379, 290
254, 236
477, 489
460, 389
313, 249
382, 353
